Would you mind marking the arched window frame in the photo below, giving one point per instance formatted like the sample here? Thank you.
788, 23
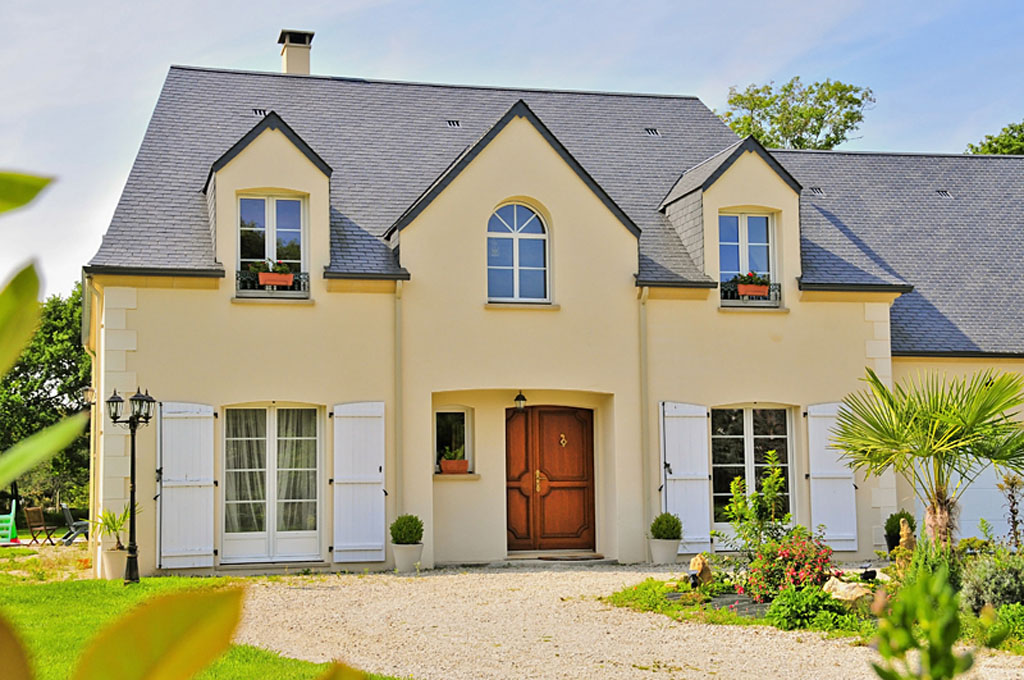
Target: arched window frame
515, 233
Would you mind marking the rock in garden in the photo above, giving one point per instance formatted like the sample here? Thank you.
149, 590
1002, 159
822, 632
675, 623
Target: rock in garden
847, 592
700, 567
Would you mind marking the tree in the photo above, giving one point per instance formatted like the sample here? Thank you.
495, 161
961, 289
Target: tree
939, 435
798, 116
1010, 140
44, 386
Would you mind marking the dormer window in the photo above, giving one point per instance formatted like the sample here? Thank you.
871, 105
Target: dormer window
271, 241
746, 245
517, 255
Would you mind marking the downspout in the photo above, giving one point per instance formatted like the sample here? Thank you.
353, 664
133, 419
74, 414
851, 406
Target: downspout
645, 430
399, 493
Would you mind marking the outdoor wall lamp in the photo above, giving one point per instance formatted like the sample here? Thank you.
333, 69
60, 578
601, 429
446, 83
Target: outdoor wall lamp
88, 396
141, 412
520, 401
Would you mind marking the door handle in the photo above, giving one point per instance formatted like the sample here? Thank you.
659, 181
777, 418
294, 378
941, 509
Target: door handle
537, 477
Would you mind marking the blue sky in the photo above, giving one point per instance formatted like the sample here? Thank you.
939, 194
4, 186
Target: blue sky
79, 80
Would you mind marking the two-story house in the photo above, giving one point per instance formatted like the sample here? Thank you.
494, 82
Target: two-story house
542, 278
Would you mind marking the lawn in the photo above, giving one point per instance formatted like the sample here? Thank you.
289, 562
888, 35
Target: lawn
55, 620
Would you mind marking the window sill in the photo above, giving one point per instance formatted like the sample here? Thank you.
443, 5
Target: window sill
754, 308
467, 477
252, 300
536, 306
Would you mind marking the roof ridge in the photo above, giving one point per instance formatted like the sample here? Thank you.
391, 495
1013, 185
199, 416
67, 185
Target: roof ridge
412, 83
925, 154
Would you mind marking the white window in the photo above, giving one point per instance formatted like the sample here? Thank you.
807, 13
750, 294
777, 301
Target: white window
271, 499
453, 433
740, 437
517, 255
271, 228
745, 245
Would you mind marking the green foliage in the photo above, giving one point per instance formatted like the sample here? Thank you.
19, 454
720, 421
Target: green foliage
17, 190
1011, 618
799, 559
923, 619
1009, 141
930, 558
938, 434
892, 525
751, 278
112, 524
802, 607
760, 516
1012, 487
667, 527
996, 580
647, 596
458, 453
797, 116
406, 530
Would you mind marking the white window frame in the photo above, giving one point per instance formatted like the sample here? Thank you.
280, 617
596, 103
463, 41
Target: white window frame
515, 236
270, 222
749, 468
271, 536
745, 242
467, 412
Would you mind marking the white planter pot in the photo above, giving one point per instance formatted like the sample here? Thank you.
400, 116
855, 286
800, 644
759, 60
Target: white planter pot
406, 556
662, 551
113, 562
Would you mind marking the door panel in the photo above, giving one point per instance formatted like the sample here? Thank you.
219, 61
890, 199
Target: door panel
550, 478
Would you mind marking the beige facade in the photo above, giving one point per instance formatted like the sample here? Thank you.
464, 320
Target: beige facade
435, 342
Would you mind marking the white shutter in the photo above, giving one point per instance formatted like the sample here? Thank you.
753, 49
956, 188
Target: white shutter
359, 521
185, 512
686, 477
833, 502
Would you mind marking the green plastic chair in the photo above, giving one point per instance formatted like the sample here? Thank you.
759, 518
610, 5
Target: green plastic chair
8, 529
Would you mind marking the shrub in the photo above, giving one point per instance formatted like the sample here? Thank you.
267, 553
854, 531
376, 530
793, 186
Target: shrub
799, 559
760, 516
1011, 617
993, 579
406, 530
929, 558
892, 527
803, 607
666, 527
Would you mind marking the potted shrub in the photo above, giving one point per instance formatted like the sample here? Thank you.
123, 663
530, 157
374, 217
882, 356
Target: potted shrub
406, 542
272, 273
114, 558
453, 461
751, 284
892, 528
666, 534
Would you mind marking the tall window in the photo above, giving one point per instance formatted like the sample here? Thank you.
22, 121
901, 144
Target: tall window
270, 228
517, 255
744, 245
739, 439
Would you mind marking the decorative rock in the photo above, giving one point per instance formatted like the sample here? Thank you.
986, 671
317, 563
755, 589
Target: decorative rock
699, 565
846, 592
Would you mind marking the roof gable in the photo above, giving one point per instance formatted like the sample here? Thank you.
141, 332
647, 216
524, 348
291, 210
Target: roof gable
707, 172
519, 109
272, 121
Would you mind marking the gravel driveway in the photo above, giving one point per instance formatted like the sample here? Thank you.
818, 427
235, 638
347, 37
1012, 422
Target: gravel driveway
529, 622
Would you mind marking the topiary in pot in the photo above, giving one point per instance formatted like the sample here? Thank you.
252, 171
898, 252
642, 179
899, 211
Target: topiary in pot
666, 533
406, 537
892, 528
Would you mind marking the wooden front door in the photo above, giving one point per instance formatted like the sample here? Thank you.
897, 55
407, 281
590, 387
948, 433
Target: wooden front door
549, 473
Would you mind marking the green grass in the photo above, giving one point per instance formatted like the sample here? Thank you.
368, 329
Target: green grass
56, 620
649, 596
17, 552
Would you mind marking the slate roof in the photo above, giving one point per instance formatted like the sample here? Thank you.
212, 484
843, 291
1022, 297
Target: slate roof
881, 220
387, 143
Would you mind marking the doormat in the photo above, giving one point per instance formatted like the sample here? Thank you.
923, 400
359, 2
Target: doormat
585, 557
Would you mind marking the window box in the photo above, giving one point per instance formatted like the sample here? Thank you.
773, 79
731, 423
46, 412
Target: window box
739, 295
252, 285
748, 289
454, 467
276, 279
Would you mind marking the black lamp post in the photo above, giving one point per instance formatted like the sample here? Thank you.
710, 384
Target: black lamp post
141, 411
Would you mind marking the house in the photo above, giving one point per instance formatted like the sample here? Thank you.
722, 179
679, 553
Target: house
540, 277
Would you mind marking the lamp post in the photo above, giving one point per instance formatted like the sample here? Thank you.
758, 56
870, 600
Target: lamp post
140, 412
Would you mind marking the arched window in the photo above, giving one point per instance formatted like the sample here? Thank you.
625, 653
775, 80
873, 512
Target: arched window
517, 255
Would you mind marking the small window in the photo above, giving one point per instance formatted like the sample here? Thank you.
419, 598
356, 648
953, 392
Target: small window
746, 246
517, 255
452, 434
271, 239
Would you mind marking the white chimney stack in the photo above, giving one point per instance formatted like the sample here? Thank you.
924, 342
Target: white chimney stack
295, 46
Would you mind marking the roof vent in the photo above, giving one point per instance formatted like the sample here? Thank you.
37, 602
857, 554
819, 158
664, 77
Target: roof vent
295, 46
944, 193
652, 132
817, 191
259, 113
454, 123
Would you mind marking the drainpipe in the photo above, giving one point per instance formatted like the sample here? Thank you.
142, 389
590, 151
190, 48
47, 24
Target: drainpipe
399, 493
645, 410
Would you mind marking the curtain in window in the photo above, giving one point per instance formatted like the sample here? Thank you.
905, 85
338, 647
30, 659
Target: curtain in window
296, 469
245, 470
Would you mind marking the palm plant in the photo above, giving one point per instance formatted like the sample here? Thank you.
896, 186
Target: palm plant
938, 434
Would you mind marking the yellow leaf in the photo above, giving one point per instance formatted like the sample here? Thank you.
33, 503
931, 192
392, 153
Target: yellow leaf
339, 671
16, 189
32, 451
19, 315
12, 654
168, 638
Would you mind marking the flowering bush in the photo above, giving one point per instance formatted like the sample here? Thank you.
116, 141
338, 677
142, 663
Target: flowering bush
751, 278
799, 559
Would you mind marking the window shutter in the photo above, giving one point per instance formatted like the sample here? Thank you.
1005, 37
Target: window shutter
185, 502
686, 490
359, 521
833, 502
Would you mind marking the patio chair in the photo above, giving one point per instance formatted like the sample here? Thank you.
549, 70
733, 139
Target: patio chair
8, 527
37, 525
76, 527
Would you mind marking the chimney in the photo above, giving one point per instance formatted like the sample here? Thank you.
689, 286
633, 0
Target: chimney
295, 51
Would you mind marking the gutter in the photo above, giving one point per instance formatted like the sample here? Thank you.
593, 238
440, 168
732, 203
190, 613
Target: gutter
645, 409
153, 271
856, 287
